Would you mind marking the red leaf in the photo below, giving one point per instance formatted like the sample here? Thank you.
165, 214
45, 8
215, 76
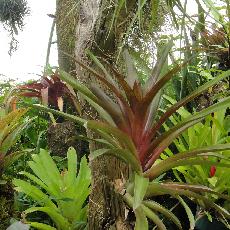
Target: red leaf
32, 86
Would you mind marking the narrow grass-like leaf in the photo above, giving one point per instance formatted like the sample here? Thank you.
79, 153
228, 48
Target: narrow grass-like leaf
158, 67
76, 119
190, 97
189, 213
159, 208
154, 217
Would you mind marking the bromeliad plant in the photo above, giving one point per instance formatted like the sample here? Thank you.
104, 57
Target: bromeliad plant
60, 195
50, 90
11, 127
214, 130
131, 130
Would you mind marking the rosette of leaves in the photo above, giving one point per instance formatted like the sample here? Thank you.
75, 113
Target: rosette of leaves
12, 14
131, 129
50, 90
62, 196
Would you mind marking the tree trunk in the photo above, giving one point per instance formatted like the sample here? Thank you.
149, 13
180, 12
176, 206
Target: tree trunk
106, 207
66, 19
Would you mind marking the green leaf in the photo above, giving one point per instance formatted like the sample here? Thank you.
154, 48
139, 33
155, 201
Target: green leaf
208, 215
140, 187
216, 14
41, 226
162, 142
66, 115
11, 138
12, 157
86, 94
189, 212
41, 162
33, 192
179, 159
77, 85
155, 219
190, 97
58, 219
123, 138
123, 154
141, 220
159, 208
158, 67
213, 180
99, 152
195, 188
72, 166
35, 179
148, 212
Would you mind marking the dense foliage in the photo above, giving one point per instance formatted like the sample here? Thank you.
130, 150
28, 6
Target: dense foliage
161, 105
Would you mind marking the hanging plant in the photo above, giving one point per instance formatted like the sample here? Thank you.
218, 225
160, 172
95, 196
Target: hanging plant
12, 14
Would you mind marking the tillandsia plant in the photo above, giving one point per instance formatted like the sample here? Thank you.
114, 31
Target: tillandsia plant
62, 196
12, 14
11, 127
132, 131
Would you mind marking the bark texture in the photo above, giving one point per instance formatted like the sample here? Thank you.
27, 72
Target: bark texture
7, 209
106, 208
62, 136
66, 19
93, 20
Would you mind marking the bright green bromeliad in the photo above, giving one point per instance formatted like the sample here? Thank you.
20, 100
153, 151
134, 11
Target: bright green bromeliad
60, 195
212, 131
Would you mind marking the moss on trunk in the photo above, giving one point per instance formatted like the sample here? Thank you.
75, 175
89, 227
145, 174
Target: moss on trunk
7, 210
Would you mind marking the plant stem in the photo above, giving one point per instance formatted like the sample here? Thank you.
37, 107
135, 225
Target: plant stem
50, 42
